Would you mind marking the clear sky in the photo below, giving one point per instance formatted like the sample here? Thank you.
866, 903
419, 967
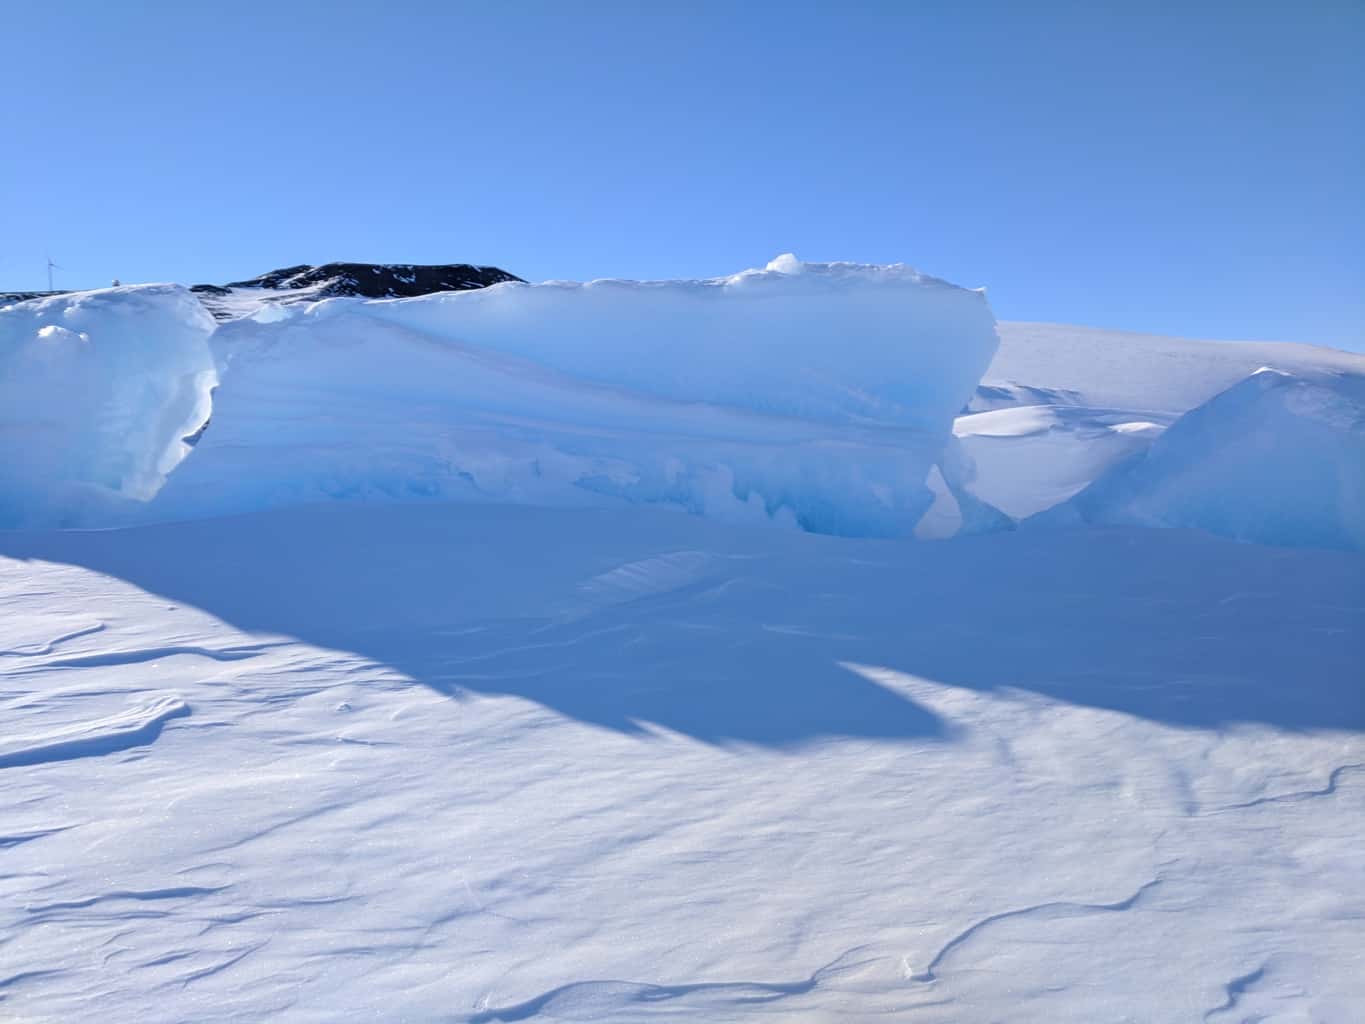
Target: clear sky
1193, 169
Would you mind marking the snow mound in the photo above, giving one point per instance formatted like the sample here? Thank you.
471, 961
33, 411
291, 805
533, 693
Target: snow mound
1277, 459
1060, 406
97, 391
813, 395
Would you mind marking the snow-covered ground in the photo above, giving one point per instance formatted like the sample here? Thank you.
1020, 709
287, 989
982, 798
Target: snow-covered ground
450, 722
454, 762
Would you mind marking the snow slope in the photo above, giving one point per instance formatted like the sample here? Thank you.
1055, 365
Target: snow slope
1028, 458
496, 763
816, 395
1059, 406
1276, 458
97, 391
1104, 369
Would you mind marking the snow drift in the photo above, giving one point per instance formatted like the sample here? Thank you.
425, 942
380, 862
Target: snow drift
1060, 406
816, 395
1028, 458
1061, 364
97, 391
1278, 458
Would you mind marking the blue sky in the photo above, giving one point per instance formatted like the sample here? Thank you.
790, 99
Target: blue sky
1193, 172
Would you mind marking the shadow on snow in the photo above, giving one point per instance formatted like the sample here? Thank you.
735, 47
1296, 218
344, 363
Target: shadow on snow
635, 617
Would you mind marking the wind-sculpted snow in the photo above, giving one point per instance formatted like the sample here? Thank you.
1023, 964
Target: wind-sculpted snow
815, 395
493, 763
97, 391
1060, 406
1028, 458
106, 734
1277, 459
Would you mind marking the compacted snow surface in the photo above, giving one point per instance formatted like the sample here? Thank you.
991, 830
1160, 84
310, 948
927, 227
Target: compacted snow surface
498, 696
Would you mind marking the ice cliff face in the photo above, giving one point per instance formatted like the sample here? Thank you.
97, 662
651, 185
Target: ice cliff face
837, 398
97, 391
809, 395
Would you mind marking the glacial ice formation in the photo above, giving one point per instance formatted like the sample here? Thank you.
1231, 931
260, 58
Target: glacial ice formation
812, 395
97, 392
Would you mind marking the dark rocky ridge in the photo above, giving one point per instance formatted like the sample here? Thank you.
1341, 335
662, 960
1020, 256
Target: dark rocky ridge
306, 283
8, 297
379, 280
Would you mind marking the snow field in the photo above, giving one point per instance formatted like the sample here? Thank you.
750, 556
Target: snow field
461, 716
465, 769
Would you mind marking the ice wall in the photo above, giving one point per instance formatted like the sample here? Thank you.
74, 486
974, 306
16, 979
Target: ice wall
97, 390
813, 395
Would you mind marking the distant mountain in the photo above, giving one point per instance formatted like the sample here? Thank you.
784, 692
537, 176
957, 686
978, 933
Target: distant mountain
7, 297
306, 283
